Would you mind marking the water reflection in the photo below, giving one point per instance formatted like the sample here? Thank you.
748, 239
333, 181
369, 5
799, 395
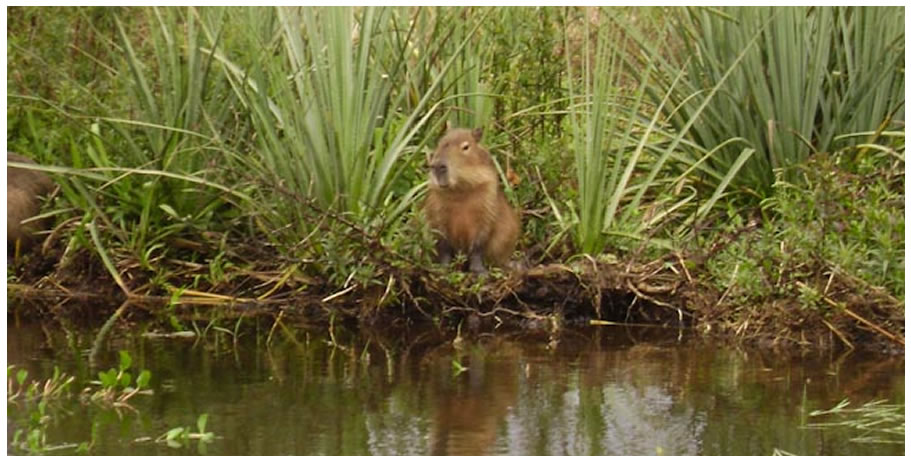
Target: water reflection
599, 391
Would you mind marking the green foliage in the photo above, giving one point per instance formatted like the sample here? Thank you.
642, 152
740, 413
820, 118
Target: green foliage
524, 64
844, 220
594, 132
34, 399
143, 161
179, 437
612, 162
813, 74
40, 403
336, 133
179, 108
116, 386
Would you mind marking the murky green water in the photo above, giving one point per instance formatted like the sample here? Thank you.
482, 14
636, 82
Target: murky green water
594, 391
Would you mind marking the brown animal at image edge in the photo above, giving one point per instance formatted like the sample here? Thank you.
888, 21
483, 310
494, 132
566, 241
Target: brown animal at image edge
465, 205
24, 189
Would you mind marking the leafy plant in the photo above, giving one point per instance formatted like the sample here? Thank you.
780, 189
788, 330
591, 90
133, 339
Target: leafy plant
178, 437
117, 386
843, 221
338, 129
36, 399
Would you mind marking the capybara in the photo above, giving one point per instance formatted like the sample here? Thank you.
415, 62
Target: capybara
465, 205
24, 189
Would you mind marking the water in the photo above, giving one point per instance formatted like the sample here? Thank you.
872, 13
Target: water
594, 391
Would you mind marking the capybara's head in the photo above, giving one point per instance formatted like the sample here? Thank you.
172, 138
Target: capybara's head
460, 161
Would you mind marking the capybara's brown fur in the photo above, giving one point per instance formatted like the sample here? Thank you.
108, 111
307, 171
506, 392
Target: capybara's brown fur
465, 204
24, 189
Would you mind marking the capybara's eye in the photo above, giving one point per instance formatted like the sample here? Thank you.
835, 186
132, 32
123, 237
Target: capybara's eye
465, 146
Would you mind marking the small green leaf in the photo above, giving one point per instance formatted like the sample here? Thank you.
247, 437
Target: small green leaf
125, 380
31, 391
173, 433
34, 440
201, 422
125, 360
21, 376
143, 380
169, 210
457, 368
201, 447
108, 379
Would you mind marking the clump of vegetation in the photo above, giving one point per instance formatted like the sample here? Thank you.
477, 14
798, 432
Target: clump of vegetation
179, 437
33, 406
830, 243
796, 82
40, 403
117, 386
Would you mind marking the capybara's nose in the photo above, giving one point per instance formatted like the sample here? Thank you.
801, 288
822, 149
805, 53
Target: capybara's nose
439, 170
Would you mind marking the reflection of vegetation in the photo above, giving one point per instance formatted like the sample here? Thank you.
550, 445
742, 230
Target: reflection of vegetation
53, 388
877, 421
595, 392
457, 367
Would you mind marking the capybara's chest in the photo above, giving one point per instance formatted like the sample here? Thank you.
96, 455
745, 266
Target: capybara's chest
466, 224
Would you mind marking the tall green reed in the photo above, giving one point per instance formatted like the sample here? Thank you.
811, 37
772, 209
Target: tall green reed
630, 173
339, 115
813, 74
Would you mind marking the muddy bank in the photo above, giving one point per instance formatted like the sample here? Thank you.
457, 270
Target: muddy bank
667, 292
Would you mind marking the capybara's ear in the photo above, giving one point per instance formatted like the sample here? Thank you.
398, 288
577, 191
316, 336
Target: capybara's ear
477, 134
446, 126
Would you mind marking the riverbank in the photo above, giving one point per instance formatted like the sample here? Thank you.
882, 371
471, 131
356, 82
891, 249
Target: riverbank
670, 292
197, 180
